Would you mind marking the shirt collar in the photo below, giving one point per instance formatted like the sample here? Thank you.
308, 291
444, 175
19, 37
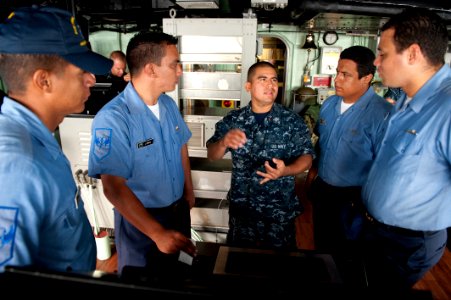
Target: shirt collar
365, 99
427, 92
32, 123
134, 102
137, 106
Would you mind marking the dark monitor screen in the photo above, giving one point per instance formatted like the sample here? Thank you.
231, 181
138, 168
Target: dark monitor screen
100, 95
258, 263
105, 89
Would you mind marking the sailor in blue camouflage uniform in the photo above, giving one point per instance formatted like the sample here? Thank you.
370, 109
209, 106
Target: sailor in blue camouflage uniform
270, 145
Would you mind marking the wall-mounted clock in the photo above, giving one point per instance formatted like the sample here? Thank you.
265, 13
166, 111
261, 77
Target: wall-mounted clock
330, 37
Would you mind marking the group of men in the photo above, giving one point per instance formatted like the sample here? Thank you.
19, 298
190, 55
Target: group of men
382, 190
383, 176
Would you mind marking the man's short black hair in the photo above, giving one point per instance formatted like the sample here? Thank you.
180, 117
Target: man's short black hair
256, 65
423, 27
363, 57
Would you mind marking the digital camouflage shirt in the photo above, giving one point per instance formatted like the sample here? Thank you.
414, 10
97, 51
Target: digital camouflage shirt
283, 135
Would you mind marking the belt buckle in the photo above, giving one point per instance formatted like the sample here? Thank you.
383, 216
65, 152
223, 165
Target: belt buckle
369, 217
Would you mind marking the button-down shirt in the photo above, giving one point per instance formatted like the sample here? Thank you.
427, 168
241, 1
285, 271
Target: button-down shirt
130, 142
409, 184
42, 218
347, 140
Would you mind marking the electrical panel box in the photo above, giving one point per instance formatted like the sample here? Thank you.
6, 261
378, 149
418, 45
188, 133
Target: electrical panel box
324, 93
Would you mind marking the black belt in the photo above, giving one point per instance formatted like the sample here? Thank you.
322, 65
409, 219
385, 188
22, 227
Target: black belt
394, 229
168, 209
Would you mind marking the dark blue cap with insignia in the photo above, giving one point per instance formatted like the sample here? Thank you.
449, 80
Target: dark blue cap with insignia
50, 30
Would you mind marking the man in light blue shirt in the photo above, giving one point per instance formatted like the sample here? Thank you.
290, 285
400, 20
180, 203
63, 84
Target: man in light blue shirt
139, 150
47, 68
408, 190
348, 126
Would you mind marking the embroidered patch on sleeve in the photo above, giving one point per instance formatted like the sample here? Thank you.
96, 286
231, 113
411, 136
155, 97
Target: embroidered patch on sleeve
8, 225
102, 142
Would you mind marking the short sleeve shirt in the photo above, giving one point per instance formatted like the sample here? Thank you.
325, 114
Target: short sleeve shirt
130, 142
42, 217
348, 140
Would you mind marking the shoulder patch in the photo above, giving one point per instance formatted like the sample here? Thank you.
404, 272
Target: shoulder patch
102, 142
8, 225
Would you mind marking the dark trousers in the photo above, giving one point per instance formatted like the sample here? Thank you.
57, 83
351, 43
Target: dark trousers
337, 216
177, 217
136, 250
396, 258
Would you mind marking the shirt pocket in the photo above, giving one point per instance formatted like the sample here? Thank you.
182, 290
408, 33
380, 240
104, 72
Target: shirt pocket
407, 143
277, 149
146, 160
407, 153
353, 136
356, 145
66, 227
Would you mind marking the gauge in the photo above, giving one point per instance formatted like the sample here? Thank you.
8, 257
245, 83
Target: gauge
330, 37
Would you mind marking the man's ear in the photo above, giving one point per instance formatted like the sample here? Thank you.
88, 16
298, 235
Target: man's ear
367, 79
41, 79
149, 69
414, 52
248, 86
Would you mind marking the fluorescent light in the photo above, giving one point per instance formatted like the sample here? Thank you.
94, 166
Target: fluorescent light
188, 4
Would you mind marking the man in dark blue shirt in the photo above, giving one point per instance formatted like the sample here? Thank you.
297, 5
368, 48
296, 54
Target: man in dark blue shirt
270, 144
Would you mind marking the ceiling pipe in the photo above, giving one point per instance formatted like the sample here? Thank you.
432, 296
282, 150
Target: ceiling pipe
369, 8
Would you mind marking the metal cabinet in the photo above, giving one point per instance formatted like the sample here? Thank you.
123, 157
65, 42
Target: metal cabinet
215, 55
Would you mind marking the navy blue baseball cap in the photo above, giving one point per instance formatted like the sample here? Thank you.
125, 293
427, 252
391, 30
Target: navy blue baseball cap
50, 30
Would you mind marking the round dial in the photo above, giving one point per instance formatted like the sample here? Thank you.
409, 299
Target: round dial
330, 37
